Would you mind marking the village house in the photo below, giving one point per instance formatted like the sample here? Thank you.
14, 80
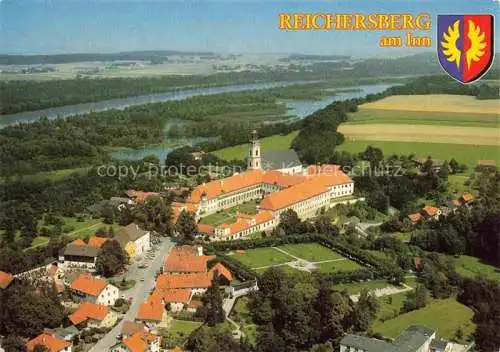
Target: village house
186, 260
436, 164
430, 212
97, 242
142, 341
134, 240
91, 315
5, 279
49, 341
140, 197
151, 313
173, 300
79, 254
466, 199
88, 288
129, 328
416, 338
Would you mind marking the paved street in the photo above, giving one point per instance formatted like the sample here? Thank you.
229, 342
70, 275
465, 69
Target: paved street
139, 292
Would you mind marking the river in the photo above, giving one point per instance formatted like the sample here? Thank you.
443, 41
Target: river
297, 109
78, 109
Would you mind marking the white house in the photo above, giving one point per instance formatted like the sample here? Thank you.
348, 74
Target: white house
79, 254
88, 288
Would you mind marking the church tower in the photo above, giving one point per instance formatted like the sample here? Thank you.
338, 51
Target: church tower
254, 160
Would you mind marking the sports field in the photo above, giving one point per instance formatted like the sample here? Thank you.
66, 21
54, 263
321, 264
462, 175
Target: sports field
435, 103
466, 154
422, 133
276, 142
445, 316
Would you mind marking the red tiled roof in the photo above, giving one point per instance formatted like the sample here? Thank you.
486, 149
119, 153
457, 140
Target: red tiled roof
78, 242
97, 242
5, 279
292, 195
415, 217
205, 228
486, 162
139, 342
151, 310
88, 284
430, 210
140, 197
88, 310
281, 179
323, 169
456, 202
222, 270
467, 197
171, 296
54, 344
197, 280
184, 259
131, 327
230, 184
245, 221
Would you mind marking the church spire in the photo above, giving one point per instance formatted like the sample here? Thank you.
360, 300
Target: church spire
254, 158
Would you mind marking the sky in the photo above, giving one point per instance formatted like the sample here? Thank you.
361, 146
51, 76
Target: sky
225, 26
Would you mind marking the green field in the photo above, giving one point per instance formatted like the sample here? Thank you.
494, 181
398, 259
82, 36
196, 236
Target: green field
357, 287
445, 316
258, 257
466, 154
277, 142
341, 265
312, 252
52, 175
389, 306
456, 184
229, 215
370, 116
183, 328
471, 266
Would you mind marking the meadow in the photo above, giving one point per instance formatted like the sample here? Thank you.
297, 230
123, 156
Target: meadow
276, 142
446, 316
435, 103
471, 267
421, 133
466, 154
382, 116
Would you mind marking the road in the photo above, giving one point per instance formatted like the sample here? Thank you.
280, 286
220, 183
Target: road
139, 292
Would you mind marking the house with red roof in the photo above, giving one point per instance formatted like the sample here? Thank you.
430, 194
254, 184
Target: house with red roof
430, 212
186, 260
49, 341
91, 315
5, 279
95, 290
141, 341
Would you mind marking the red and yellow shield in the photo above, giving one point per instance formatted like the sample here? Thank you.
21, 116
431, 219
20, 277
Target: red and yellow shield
465, 45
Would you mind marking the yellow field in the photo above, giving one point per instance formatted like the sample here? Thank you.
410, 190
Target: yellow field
422, 133
437, 103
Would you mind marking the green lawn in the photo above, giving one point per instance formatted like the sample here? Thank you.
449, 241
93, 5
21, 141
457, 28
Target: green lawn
466, 154
471, 266
364, 116
258, 257
241, 315
229, 215
184, 327
445, 316
411, 281
403, 236
380, 254
341, 265
389, 306
276, 142
456, 184
312, 252
357, 287
52, 175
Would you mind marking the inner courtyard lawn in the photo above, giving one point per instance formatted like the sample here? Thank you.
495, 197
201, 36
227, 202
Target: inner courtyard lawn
445, 316
340, 265
312, 252
259, 257
229, 215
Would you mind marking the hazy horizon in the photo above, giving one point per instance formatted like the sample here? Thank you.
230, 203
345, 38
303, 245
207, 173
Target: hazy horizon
246, 27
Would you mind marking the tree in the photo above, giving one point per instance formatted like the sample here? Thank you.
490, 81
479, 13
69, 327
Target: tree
454, 166
373, 155
154, 215
290, 222
444, 171
212, 301
13, 343
111, 259
268, 341
26, 313
365, 310
415, 299
186, 226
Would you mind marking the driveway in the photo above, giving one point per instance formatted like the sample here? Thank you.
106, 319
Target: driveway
139, 292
